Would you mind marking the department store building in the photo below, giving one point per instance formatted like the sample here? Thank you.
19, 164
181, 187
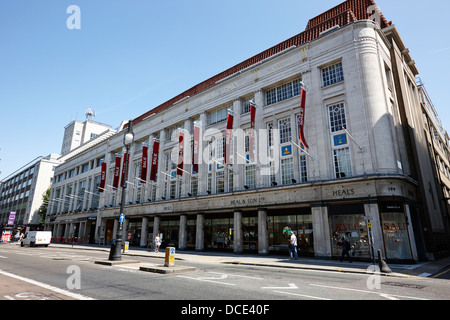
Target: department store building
355, 162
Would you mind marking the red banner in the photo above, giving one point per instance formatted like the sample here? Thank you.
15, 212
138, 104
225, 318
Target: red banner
251, 146
180, 154
301, 121
126, 159
144, 164
228, 136
155, 156
101, 188
117, 173
195, 148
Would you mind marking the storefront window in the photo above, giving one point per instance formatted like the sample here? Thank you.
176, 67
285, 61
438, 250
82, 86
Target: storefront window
191, 233
395, 234
168, 231
221, 233
279, 227
250, 229
304, 233
353, 227
134, 232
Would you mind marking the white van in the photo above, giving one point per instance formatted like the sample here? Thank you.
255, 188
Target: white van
37, 238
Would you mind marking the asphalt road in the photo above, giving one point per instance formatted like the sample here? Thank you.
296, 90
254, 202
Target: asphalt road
64, 274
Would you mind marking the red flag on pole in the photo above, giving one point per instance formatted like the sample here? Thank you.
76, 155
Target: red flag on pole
116, 173
126, 159
144, 164
195, 148
180, 153
251, 146
101, 187
301, 121
228, 136
155, 156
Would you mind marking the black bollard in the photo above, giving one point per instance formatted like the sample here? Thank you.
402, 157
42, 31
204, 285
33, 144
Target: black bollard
383, 265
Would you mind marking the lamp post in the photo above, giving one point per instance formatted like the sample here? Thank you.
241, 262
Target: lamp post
115, 253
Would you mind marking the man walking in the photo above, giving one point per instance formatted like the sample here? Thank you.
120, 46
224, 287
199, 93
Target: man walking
293, 246
345, 249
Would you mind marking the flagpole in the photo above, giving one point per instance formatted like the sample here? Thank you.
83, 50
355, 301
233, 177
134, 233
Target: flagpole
353, 139
303, 150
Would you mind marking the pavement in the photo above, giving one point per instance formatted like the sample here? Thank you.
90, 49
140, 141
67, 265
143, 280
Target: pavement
423, 269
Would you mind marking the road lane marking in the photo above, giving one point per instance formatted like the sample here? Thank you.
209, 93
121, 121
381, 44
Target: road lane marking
301, 295
385, 295
46, 286
291, 286
236, 275
207, 280
2, 257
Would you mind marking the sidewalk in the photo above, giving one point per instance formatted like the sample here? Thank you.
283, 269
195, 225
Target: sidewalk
424, 269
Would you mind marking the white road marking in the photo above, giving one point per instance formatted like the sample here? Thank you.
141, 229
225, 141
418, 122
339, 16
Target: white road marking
207, 280
301, 295
291, 286
239, 276
385, 295
46, 286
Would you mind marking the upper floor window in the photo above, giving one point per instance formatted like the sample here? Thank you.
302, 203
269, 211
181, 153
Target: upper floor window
283, 92
284, 126
337, 117
332, 74
246, 105
219, 115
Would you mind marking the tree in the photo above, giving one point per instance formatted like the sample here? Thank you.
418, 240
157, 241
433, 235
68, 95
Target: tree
42, 211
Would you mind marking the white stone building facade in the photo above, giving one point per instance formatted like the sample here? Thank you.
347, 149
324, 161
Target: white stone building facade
357, 179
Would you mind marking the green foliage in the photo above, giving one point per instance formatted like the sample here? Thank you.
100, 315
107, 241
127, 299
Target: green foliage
42, 211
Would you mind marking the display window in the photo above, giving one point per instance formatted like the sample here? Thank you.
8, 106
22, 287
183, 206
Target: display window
348, 221
191, 232
279, 227
395, 231
219, 233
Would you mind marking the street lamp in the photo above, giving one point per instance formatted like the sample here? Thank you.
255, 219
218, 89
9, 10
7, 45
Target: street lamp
116, 247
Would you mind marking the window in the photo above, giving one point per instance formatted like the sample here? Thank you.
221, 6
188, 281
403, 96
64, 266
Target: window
85, 168
194, 185
99, 161
220, 181
332, 74
250, 179
303, 170
270, 133
337, 117
246, 105
220, 148
287, 171
283, 92
284, 127
342, 163
219, 115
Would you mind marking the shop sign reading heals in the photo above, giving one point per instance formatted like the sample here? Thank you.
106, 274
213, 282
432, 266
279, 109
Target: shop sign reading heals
343, 193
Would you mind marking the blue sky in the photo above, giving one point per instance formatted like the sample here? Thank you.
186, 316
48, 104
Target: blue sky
131, 56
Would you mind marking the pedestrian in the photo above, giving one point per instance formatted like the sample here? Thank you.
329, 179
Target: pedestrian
293, 246
345, 244
157, 242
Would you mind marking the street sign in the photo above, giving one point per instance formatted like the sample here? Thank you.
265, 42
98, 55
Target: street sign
170, 257
122, 218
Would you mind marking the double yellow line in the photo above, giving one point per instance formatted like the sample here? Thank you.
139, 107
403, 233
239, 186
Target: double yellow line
440, 274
